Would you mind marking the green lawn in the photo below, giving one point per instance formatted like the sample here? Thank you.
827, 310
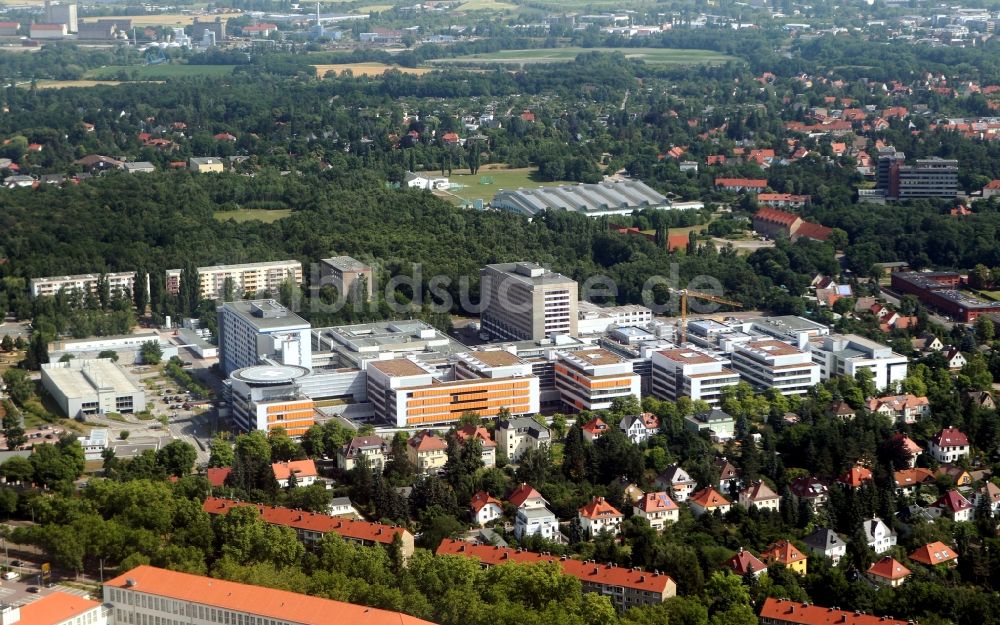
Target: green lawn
468, 187
486, 5
653, 56
159, 72
254, 214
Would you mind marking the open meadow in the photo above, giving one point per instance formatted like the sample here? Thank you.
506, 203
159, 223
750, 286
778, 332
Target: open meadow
163, 71
367, 69
652, 56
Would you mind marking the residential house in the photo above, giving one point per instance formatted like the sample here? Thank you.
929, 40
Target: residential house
639, 427
784, 552
468, 433
909, 446
485, 508
720, 425
631, 490
949, 445
517, 435
842, 410
880, 536
954, 506
935, 553
536, 521
927, 343
524, 496
888, 572
708, 500
428, 452
901, 408
594, 429
761, 496
599, 515
787, 612
990, 492
909, 481
856, 477
304, 471
745, 562
206, 165
343, 507
738, 185
372, 448
828, 543
657, 508
811, 489
954, 358
677, 482
959, 476
730, 477
980, 399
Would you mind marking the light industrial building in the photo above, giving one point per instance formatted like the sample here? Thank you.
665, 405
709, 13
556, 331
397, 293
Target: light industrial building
522, 301
86, 283
94, 386
591, 379
247, 278
593, 200
347, 274
252, 331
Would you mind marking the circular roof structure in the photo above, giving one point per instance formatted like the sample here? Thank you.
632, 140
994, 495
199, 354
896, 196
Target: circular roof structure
270, 374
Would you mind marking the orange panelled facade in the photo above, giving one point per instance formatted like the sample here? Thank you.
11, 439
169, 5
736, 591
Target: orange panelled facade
602, 384
294, 417
448, 401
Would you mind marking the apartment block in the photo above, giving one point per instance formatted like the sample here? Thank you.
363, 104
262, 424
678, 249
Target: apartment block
693, 373
932, 177
252, 331
55, 608
85, 283
591, 379
524, 301
846, 354
773, 364
347, 275
148, 595
407, 392
247, 278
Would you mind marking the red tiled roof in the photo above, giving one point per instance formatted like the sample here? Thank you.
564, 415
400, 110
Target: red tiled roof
599, 508
753, 183
993, 185
656, 502
467, 432
301, 468
482, 499
610, 575
782, 197
856, 476
953, 501
55, 608
282, 605
523, 493
9, 24
913, 477
217, 476
709, 498
934, 553
783, 552
425, 441
322, 523
760, 491
785, 611
47, 26
743, 561
595, 426
813, 231
777, 216
888, 568
950, 437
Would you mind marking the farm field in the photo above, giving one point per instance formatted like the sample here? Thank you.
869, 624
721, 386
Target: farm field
165, 19
367, 69
253, 214
653, 56
64, 84
159, 72
476, 189
372, 8
486, 5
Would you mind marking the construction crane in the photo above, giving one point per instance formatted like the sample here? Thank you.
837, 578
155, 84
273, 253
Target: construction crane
684, 295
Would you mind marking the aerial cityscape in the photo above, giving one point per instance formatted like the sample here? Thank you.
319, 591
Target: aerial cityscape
494, 312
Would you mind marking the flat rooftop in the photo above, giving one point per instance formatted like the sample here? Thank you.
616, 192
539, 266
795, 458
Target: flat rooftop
242, 266
491, 358
399, 367
85, 276
83, 378
688, 356
532, 274
267, 315
771, 348
596, 357
788, 323
345, 263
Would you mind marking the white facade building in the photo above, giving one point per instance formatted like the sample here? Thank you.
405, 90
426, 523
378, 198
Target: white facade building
92, 386
691, 372
250, 331
774, 364
846, 354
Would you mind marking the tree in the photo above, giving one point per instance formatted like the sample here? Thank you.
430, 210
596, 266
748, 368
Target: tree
151, 353
283, 448
220, 452
7, 343
17, 469
985, 330
52, 467
177, 458
19, 385
110, 354
38, 352
252, 464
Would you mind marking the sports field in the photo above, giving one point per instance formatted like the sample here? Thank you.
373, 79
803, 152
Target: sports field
253, 214
485, 184
367, 69
159, 72
653, 56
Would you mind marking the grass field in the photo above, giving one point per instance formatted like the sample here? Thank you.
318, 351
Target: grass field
63, 84
165, 19
653, 56
373, 8
159, 72
502, 179
486, 5
253, 214
367, 69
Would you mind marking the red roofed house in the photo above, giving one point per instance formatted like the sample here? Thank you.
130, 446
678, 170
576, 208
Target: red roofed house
485, 508
910, 446
760, 496
782, 200
708, 500
176, 593
745, 562
954, 506
784, 552
310, 527
524, 496
856, 477
9, 29
901, 408
933, 554
304, 471
639, 427
786, 612
217, 476
427, 452
527, 116
992, 188
775, 223
716, 159
57, 608
888, 572
626, 587
450, 138
599, 515
909, 480
738, 185
260, 30
948, 445
467, 433
224, 136
594, 429
657, 508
